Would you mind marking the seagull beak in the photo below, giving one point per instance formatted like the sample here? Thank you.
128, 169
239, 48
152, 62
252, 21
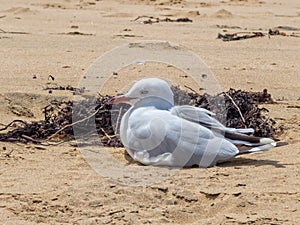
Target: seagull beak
119, 99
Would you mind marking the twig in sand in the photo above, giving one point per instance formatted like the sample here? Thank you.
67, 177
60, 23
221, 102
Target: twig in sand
8, 154
236, 106
190, 88
13, 32
105, 133
72, 124
12, 122
49, 143
30, 139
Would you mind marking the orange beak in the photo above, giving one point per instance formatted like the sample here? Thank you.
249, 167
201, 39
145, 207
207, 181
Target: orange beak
118, 99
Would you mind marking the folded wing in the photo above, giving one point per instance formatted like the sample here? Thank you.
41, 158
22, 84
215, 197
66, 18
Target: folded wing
159, 137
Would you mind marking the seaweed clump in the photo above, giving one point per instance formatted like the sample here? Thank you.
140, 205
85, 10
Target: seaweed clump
234, 108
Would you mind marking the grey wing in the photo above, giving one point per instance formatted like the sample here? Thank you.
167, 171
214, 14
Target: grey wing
198, 145
205, 118
159, 138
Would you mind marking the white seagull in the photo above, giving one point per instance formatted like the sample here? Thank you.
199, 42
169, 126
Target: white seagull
155, 132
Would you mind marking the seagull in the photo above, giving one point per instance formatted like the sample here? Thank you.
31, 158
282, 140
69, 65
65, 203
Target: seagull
156, 132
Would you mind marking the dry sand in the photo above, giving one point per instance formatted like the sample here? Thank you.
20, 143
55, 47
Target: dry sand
56, 185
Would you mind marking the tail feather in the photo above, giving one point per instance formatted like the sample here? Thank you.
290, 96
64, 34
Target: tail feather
238, 138
248, 149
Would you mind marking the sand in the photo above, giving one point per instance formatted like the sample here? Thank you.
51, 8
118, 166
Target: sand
56, 185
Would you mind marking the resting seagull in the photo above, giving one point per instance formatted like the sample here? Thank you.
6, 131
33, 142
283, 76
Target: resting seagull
155, 132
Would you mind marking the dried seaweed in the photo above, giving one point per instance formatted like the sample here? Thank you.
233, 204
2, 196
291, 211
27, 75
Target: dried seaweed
234, 108
75, 91
151, 19
239, 36
254, 34
12, 32
75, 33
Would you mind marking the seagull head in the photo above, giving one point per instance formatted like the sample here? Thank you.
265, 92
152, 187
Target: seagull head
148, 88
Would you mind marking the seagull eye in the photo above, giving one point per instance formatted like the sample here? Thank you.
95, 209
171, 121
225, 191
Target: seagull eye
144, 92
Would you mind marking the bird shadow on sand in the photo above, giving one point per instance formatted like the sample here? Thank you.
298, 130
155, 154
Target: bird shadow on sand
236, 162
239, 162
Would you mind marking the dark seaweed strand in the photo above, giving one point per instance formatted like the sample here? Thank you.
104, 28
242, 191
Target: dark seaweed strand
58, 114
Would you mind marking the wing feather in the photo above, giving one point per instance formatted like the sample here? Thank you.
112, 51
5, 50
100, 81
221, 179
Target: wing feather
205, 118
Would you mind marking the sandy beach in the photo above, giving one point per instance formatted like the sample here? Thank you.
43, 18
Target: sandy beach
56, 184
